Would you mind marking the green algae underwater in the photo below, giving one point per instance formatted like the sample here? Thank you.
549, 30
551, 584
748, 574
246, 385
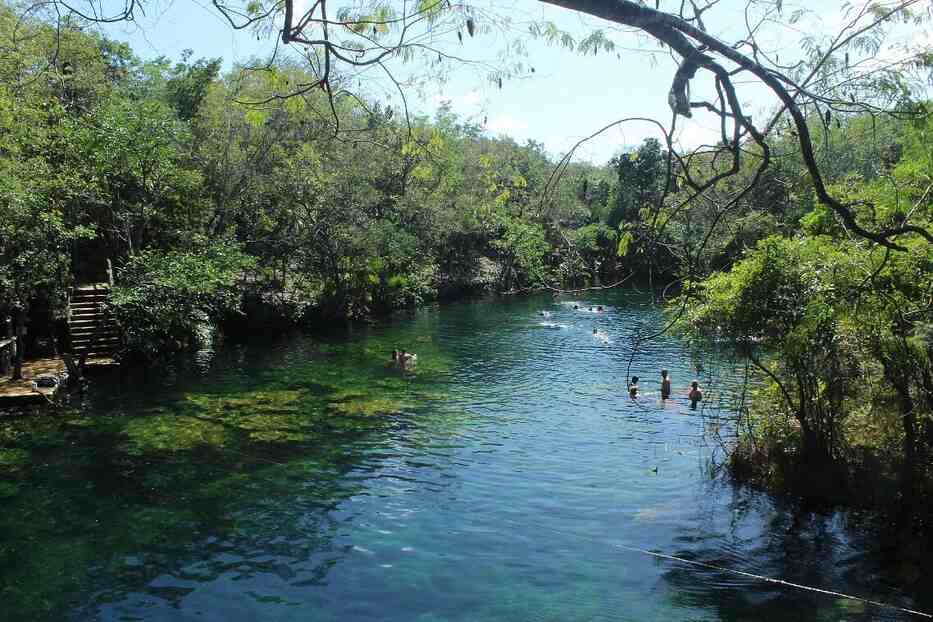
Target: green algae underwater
309, 478
154, 470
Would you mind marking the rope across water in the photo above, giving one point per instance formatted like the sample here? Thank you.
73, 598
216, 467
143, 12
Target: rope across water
781, 582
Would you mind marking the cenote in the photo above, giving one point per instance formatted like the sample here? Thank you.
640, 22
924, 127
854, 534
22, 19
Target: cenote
507, 476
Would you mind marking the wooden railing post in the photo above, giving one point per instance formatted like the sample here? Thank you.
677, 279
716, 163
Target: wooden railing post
109, 272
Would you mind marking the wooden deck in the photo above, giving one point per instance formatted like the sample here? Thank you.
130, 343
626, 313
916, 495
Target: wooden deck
13, 392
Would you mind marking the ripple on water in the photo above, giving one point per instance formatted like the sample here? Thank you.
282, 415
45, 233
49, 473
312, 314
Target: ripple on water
499, 479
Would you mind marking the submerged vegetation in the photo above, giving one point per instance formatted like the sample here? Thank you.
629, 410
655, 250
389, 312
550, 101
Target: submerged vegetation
164, 474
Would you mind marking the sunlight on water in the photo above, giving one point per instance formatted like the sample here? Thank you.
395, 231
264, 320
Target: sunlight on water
501, 477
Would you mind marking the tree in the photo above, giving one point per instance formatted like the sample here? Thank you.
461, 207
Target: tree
817, 85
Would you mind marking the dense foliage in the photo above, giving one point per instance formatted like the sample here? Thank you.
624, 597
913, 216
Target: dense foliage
838, 330
148, 164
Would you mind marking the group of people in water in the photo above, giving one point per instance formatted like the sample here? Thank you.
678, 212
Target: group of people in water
695, 395
404, 359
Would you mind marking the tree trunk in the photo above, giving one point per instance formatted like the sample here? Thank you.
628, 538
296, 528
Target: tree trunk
909, 421
927, 381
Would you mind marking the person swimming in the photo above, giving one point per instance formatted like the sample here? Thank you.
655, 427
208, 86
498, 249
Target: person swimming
695, 394
665, 385
403, 358
633, 387
599, 309
576, 307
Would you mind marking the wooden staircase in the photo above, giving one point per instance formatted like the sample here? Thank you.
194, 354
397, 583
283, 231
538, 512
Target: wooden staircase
95, 335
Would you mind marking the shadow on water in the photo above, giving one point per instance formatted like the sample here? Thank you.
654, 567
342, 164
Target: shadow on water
783, 539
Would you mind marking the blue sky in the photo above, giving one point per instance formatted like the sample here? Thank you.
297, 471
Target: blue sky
569, 96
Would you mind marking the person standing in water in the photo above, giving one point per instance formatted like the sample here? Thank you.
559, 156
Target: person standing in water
406, 358
695, 394
665, 385
633, 387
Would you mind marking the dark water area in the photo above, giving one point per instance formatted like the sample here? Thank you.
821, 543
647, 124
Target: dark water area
506, 476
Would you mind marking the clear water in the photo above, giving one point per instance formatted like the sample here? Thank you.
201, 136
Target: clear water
507, 476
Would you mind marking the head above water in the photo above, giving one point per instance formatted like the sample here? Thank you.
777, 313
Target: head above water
594, 330
664, 373
695, 384
634, 379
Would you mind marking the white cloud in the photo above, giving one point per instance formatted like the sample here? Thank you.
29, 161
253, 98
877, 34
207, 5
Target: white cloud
507, 124
472, 99
467, 103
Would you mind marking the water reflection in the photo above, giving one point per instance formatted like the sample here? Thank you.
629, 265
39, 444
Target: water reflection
743, 530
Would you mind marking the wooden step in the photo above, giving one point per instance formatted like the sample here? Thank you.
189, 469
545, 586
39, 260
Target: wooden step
93, 329
93, 294
95, 347
115, 341
90, 329
88, 322
92, 337
86, 300
87, 313
110, 334
94, 353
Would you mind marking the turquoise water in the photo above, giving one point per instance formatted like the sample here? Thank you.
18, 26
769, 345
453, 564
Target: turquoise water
507, 476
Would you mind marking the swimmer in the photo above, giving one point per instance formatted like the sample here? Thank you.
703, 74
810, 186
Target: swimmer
576, 307
665, 385
633, 387
695, 394
545, 313
404, 358
599, 309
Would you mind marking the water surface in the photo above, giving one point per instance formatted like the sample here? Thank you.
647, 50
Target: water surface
507, 476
